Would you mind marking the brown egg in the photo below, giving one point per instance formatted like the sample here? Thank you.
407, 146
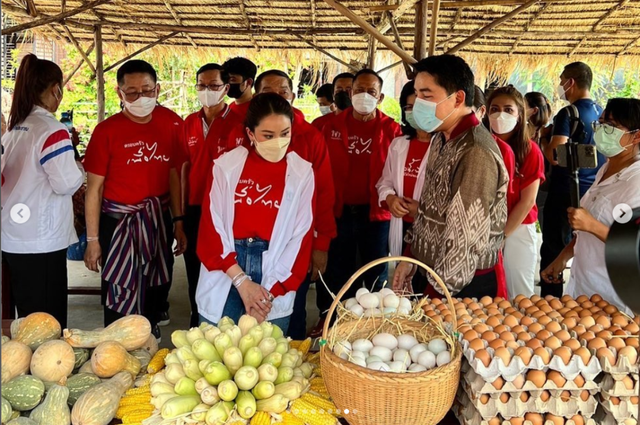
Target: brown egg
493, 321
605, 353
620, 321
566, 298
579, 329
588, 336
511, 321
481, 328
587, 305
634, 400
584, 395
545, 320
555, 316
595, 298
486, 301
501, 328
534, 343
497, 343
565, 396
615, 401
513, 345
586, 313
510, 310
516, 421
610, 310
525, 304
524, 397
495, 421
596, 329
537, 378
504, 397
572, 313
484, 357
541, 303
545, 396
577, 419
551, 342
517, 329
556, 304
484, 398
534, 418
504, 304
602, 304
631, 353
570, 323
596, 343
637, 320
628, 382
632, 328
518, 316
557, 378
507, 336
564, 353
579, 381
474, 306
617, 343
546, 309
498, 383
524, 336
519, 381
535, 327
525, 354
574, 344
563, 335
606, 335
503, 354
584, 354
556, 420
489, 336
477, 344
470, 335
587, 321
518, 298
571, 304
563, 311
582, 299
553, 327
633, 342
538, 314
596, 311
526, 321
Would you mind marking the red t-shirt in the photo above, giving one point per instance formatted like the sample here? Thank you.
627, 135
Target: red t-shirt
241, 110
415, 156
356, 191
258, 196
531, 170
135, 159
321, 121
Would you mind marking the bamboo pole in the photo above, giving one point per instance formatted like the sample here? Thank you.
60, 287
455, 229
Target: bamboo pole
491, 26
75, 43
143, 49
50, 19
370, 29
396, 34
78, 66
99, 73
388, 67
433, 36
420, 40
371, 52
335, 58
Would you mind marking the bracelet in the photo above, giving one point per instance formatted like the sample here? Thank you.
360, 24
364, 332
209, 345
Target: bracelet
92, 238
178, 218
241, 281
238, 276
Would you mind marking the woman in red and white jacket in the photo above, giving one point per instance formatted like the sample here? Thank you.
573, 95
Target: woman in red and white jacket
39, 177
256, 230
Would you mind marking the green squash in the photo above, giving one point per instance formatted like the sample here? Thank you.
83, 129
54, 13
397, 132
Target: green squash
79, 384
23, 392
7, 411
82, 356
54, 409
22, 420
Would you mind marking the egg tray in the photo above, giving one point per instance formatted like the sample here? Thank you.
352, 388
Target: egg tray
467, 414
622, 368
517, 408
516, 367
478, 385
624, 410
615, 388
603, 417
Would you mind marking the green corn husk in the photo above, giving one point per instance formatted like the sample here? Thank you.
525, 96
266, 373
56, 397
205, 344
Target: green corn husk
246, 404
285, 374
253, 357
233, 359
267, 346
263, 390
216, 372
227, 390
246, 378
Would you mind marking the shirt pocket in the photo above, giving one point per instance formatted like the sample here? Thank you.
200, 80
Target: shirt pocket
601, 207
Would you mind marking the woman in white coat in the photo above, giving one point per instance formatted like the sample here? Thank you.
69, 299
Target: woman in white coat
255, 241
402, 179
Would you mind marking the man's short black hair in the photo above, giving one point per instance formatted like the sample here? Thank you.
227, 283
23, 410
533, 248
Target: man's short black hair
479, 99
241, 66
450, 72
326, 91
341, 76
579, 72
224, 75
367, 71
136, 66
272, 73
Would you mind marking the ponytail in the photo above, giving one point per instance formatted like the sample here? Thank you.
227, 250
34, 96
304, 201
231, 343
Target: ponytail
34, 77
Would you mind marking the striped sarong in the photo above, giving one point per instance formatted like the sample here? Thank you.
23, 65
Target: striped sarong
137, 258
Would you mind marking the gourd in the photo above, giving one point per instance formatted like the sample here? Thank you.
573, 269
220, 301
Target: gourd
15, 326
131, 331
23, 392
151, 345
23, 420
143, 356
53, 361
81, 355
38, 328
110, 358
54, 410
7, 410
79, 384
86, 367
16, 357
5, 339
99, 404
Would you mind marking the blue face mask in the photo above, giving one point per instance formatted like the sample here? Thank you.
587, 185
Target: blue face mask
424, 114
608, 139
408, 115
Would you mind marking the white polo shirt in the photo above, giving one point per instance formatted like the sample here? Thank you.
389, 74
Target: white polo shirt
589, 272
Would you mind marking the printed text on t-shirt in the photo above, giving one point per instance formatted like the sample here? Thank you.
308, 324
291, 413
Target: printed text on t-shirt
358, 146
412, 168
145, 153
251, 192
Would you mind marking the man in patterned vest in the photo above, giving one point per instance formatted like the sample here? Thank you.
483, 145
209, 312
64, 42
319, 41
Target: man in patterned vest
459, 228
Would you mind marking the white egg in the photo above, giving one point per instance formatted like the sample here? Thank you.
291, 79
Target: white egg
342, 347
443, 358
386, 291
357, 310
350, 303
417, 368
397, 367
407, 341
361, 292
359, 354
358, 361
380, 300
363, 345
405, 304
427, 359
373, 359
380, 366
389, 311
371, 312
437, 346
383, 352
369, 301
391, 300
385, 340
401, 355
404, 311
416, 351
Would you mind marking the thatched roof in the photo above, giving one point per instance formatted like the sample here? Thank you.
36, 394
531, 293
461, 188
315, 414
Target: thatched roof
568, 28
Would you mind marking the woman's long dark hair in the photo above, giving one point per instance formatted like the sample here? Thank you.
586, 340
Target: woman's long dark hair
540, 119
407, 91
34, 77
265, 104
520, 140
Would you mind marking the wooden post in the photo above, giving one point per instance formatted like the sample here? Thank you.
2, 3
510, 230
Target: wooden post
137, 52
78, 66
99, 72
83, 55
420, 40
396, 34
335, 58
433, 36
371, 52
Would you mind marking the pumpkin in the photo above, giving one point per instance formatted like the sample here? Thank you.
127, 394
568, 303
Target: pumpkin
130, 331
54, 409
24, 392
151, 345
79, 384
7, 411
53, 361
110, 358
16, 357
38, 328
82, 355
23, 420
99, 404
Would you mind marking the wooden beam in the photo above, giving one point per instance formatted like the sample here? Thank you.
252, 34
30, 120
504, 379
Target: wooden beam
420, 37
143, 49
491, 26
456, 18
608, 14
626, 48
397, 12
371, 52
577, 46
388, 67
461, 3
75, 43
77, 67
370, 29
335, 58
433, 36
63, 6
50, 19
176, 17
247, 24
99, 74
396, 34
528, 26
31, 8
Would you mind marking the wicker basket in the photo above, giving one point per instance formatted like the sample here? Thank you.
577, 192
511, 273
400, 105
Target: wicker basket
380, 398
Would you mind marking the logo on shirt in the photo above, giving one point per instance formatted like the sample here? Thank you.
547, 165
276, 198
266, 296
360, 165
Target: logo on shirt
252, 193
412, 168
336, 134
358, 146
192, 141
145, 153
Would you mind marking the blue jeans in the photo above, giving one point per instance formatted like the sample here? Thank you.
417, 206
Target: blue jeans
249, 257
298, 326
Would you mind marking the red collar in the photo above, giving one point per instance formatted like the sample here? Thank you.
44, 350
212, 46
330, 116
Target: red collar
467, 123
223, 113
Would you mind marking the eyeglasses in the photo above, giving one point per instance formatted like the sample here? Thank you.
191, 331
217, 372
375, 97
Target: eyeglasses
407, 108
607, 128
210, 87
133, 96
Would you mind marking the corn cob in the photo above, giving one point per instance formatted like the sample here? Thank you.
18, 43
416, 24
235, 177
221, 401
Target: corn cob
157, 362
125, 411
318, 386
139, 390
314, 358
137, 416
289, 419
310, 414
321, 403
135, 400
261, 418
305, 346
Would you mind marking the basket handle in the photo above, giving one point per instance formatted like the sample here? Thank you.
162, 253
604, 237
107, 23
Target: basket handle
366, 267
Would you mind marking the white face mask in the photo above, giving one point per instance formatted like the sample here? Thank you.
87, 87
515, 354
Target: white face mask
209, 98
502, 123
562, 94
324, 110
141, 107
273, 150
364, 103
